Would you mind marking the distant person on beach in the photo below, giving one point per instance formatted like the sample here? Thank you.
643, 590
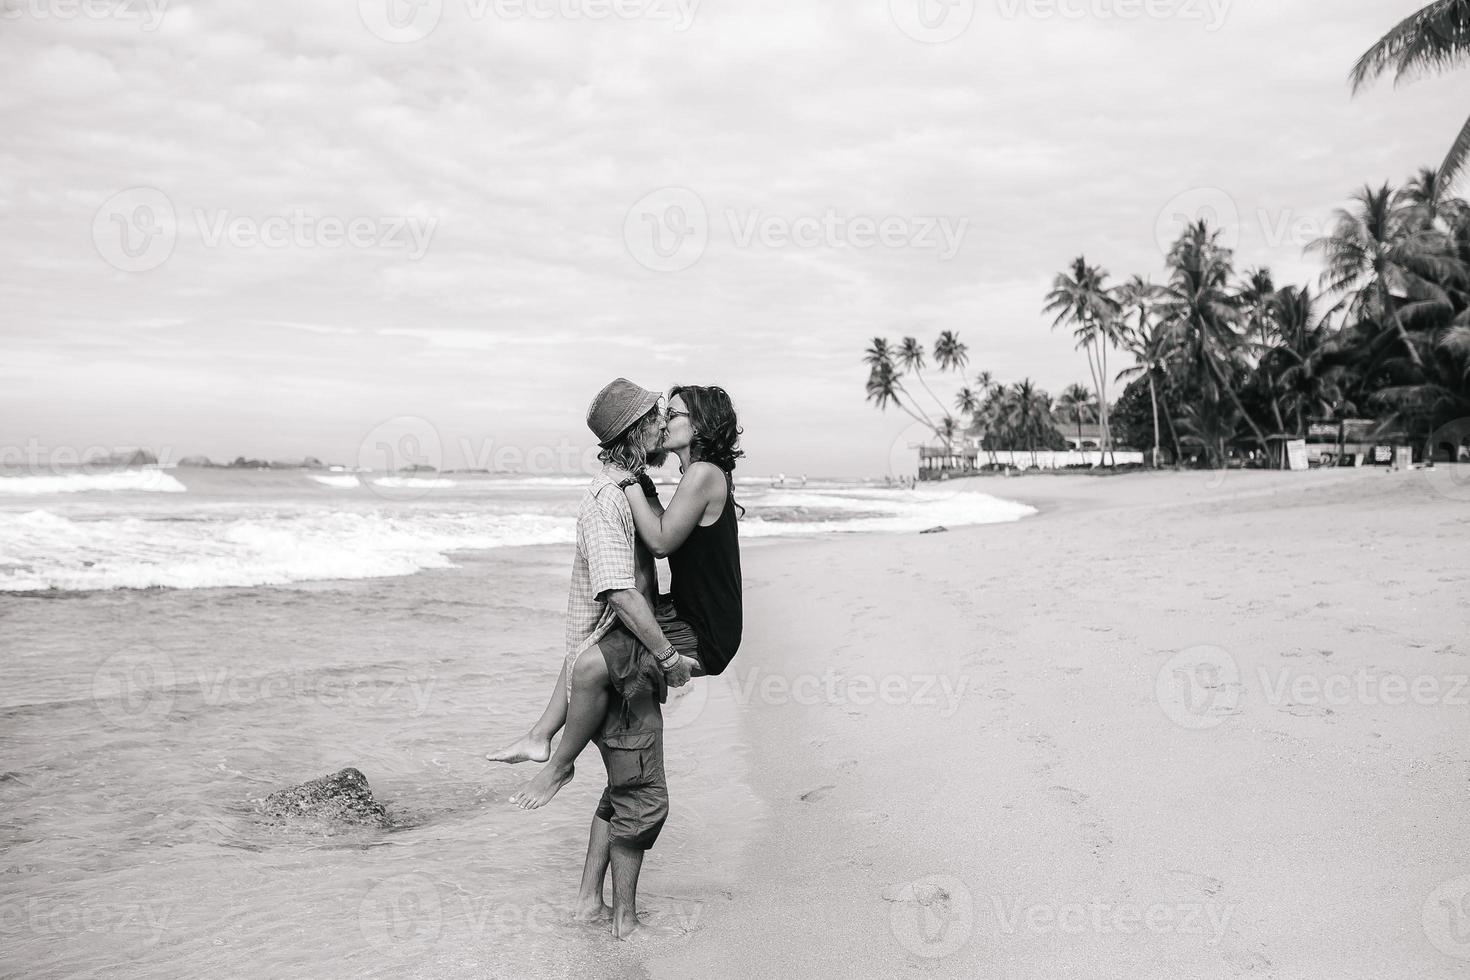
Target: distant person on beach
613, 699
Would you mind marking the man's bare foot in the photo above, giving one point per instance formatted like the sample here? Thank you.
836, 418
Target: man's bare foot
592, 910
527, 748
624, 923
539, 791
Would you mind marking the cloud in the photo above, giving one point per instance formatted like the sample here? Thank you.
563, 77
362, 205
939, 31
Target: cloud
525, 142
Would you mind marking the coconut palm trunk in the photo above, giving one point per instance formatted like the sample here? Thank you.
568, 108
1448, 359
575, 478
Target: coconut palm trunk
1102, 406
1153, 399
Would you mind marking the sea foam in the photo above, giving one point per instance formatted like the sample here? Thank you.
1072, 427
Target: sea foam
146, 481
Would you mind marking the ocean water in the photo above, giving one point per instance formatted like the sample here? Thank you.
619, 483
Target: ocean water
176, 645
213, 528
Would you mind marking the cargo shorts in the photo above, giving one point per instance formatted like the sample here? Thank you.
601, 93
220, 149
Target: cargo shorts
631, 740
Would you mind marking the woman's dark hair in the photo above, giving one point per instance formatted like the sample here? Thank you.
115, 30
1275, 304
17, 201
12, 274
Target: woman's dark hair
630, 450
716, 431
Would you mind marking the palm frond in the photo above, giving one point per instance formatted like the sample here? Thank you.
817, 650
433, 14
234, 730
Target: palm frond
1433, 39
1455, 160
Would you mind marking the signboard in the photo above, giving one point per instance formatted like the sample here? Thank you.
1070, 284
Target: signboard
1382, 454
1296, 454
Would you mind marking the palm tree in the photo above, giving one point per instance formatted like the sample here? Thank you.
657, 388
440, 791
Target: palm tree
1376, 259
1434, 39
1307, 380
910, 356
1147, 343
1200, 313
948, 429
1255, 298
1027, 413
1082, 300
885, 382
949, 353
1077, 404
987, 415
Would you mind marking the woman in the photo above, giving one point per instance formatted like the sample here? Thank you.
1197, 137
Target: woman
702, 616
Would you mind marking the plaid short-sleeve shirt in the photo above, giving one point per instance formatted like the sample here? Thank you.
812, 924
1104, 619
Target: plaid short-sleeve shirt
606, 561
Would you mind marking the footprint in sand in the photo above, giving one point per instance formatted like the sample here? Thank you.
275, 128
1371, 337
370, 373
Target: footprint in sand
669, 918
1074, 797
1208, 884
1307, 710
816, 795
1246, 961
1096, 837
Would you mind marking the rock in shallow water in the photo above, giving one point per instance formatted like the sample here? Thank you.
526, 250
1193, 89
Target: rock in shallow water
342, 797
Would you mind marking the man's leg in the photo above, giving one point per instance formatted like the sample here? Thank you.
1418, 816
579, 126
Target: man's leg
627, 862
590, 693
535, 745
591, 905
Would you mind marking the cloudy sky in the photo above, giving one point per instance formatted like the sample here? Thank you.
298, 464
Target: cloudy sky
269, 229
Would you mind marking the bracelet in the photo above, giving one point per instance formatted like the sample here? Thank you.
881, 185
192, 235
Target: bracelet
671, 658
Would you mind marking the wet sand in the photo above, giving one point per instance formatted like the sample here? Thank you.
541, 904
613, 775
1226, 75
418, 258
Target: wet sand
1211, 725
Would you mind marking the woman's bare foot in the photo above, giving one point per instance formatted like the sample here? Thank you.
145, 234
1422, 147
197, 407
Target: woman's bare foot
593, 910
539, 791
527, 748
624, 923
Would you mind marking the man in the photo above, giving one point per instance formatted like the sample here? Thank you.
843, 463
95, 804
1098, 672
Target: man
614, 682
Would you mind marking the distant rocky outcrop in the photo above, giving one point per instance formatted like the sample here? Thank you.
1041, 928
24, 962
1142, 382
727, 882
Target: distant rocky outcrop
200, 461
123, 459
241, 463
343, 797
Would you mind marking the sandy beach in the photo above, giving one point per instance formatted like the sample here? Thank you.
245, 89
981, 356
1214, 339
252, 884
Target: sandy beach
1173, 725
1298, 812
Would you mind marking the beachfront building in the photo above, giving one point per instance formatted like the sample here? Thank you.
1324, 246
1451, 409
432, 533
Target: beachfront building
1083, 437
1347, 442
947, 462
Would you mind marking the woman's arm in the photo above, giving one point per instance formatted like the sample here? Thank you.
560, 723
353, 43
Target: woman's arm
702, 485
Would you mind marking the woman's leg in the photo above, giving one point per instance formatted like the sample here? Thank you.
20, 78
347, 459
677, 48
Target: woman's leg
535, 745
590, 694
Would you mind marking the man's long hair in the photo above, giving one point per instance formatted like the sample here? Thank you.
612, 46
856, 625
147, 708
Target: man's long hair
629, 450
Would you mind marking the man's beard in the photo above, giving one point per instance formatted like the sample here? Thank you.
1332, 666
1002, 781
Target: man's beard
657, 457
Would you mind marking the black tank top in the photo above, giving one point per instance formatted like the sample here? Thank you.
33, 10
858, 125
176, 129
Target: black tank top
705, 583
